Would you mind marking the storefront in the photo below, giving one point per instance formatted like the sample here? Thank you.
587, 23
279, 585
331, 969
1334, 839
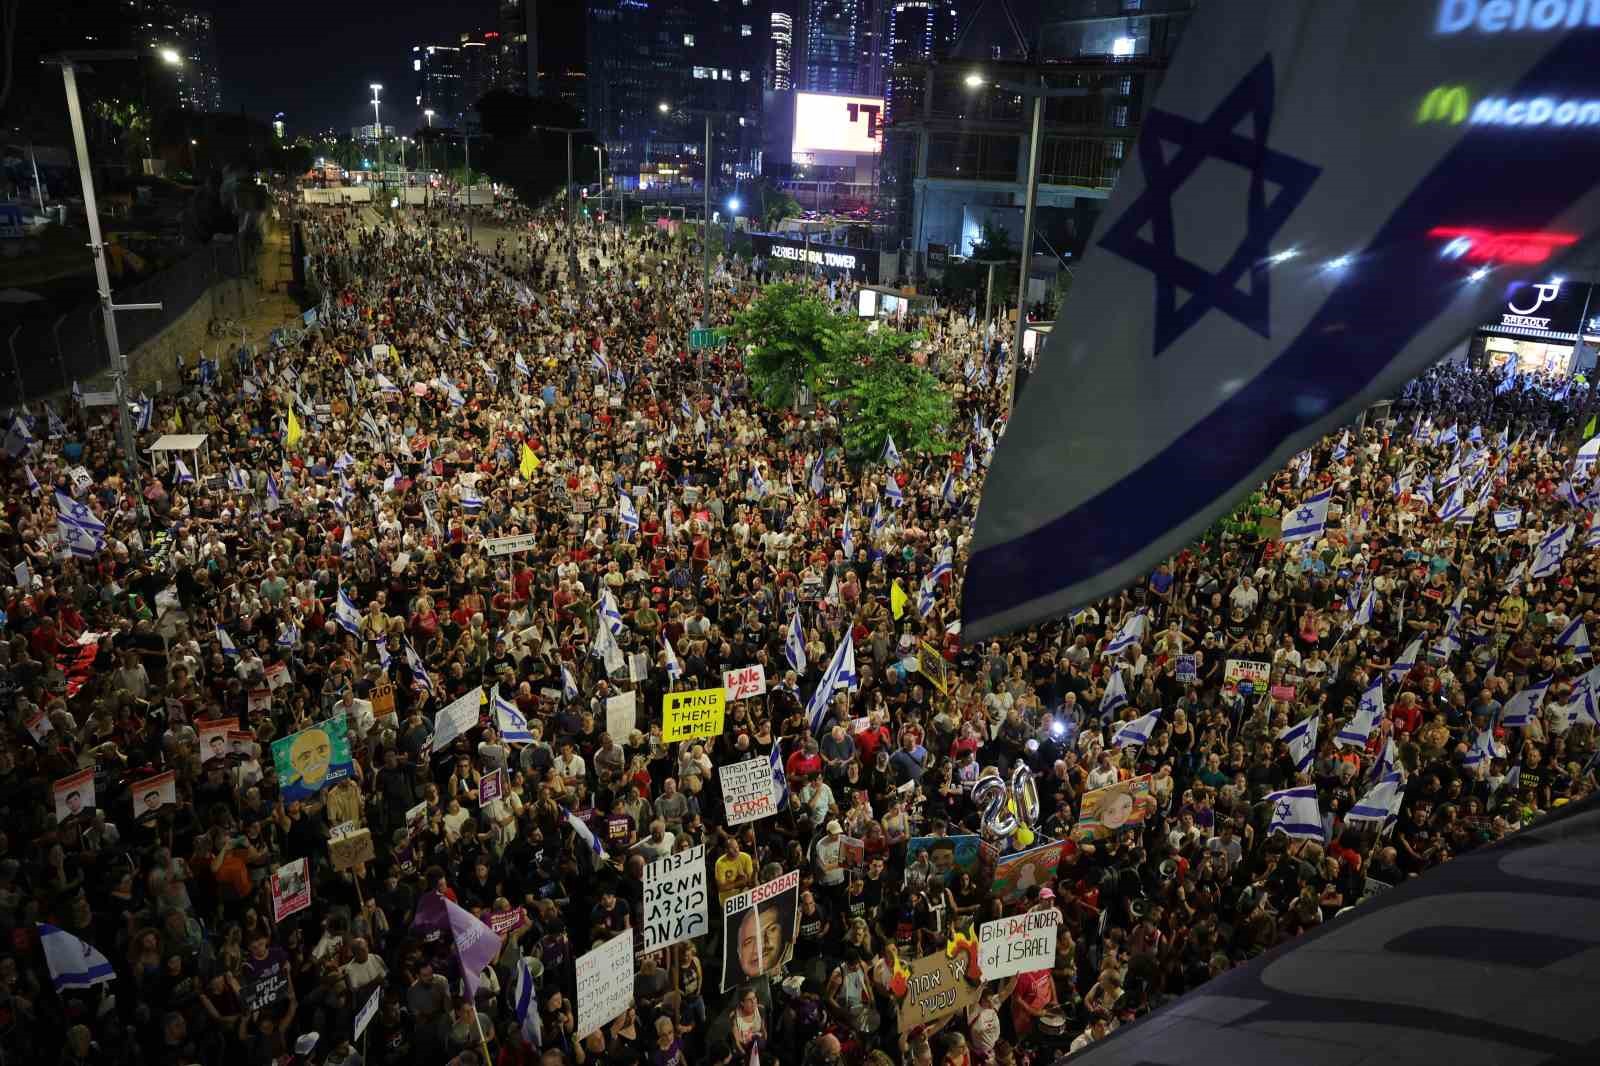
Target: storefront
1537, 328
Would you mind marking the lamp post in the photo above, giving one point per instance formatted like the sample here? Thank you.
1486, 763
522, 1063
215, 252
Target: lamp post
377, 129
1039, 93
705, 227
69, 64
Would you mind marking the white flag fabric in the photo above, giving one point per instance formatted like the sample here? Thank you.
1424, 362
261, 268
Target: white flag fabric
794, 644
1136, 732
346, 612
1381, 804
1302, 740
509, 720
840, 668
1115, 695
72, 963
1402, 666
1307, 521
1295, 812
1208, 351
1356, 732
1524, 705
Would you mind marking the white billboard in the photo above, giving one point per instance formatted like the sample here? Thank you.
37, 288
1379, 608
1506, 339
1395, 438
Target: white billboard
824, 123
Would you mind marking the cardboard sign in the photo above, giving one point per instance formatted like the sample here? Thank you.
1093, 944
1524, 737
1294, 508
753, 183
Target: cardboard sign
277, 675
1026, 942
260, 700
310, 760
605, 983
675, 899
291, 889
74, 794
622, 715
1186, 668
937, 988
214, 737
382, 701
759, 927
745, 682
457, 718
491, 786
1245, 676
747, 790
353, 850
1282, 692
1015, 874
696, 713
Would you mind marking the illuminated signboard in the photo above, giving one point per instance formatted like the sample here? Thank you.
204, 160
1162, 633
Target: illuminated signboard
1514, 16
1540, 307
1478, 245
825, 123
859, 263
1453, 104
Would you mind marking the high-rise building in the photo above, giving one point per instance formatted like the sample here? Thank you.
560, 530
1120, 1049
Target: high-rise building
558, 47
185, 26
519, 25
697, 56
917, 32
440, 86
480, 70
833, 38
780, 66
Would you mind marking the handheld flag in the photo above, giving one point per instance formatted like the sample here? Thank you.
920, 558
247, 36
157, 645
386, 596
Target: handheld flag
891, 455
1356, 732
1307, 521
780, 780
1575, 636
345, 612
1136, 732
794, 644
228, 650
1295, 813
294, 433
1302, 740
1115, 695
841, 671
72, 962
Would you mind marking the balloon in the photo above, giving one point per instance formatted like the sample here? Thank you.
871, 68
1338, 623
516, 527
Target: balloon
1026, 794
990, 794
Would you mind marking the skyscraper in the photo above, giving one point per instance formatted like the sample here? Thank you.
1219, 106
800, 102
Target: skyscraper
558, 50
185, 26
833, 32
780, 69
439, 83
519, 25
917, 31
480, 70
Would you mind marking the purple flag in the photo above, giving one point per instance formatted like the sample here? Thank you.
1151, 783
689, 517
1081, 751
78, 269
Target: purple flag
476, 944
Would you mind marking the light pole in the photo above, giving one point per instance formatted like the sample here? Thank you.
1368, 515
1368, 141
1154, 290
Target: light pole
572, 252
97, 250
1039, 93
705, 225
377, 130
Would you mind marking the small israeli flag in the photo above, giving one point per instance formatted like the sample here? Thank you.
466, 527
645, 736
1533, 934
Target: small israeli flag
1424, 491
1341, 449
33, 482
288, 636
627, 514
780, 780
1356, 732
1508, 518
1483, 750
1455, 506
73, 963
522, 366
419, 671
1388, 759
1137, 732
1575, 636
1302, 741
794, 644
569, 684
1591, 538
948, 492
80, 541
610, 615
584, 835
1524, 705
1295, 813
891, 490
228, 650
509, 720
525, 1003
847, 539
1382, 802
345, 611
384, 658
840, 671
891, 455
674, 668
1307, 521
180, 473
1135, 628
236, 479
1552, 549
758, 484
819, 487
1115, 696
1363, 612
1402, 666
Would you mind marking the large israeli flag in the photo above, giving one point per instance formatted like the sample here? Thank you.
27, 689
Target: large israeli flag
1302, 741
1355, 227
1295, 811
1307, 521
1369, 712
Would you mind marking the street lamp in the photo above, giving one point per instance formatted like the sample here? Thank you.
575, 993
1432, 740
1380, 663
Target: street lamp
377, 128
705, 227
69, 63
1040, 93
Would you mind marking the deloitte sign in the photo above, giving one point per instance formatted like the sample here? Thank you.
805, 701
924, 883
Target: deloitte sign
1511, 16
1514, 16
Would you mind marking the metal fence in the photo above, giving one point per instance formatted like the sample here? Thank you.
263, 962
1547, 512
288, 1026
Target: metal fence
45, 355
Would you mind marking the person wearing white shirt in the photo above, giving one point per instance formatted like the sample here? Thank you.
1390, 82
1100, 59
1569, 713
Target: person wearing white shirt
1104, 773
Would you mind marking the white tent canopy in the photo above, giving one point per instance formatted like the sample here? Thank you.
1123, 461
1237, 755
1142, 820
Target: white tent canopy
168, 443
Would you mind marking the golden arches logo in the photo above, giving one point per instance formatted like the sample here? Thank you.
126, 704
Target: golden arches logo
1445, 103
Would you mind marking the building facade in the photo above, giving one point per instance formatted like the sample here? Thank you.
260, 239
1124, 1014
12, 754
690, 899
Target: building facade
780, 63
695, 57
519, 27
186, 26
834, 35
440, 87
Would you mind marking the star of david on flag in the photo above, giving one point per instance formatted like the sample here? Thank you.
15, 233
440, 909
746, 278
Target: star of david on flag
1242, 288
1306, 522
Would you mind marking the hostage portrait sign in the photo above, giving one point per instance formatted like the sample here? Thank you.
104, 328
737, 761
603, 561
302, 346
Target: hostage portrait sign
675, 899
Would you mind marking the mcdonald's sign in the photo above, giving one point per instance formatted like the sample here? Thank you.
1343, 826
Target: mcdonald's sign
1444, 103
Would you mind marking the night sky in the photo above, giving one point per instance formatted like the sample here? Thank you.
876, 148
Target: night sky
313, 59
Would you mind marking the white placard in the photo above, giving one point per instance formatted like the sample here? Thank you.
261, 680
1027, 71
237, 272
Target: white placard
100, 399
622, 711
747, 790
638, 667
745, 682
675, 899
605, 983
1026, 942
368, 1011
457, 718
507, 545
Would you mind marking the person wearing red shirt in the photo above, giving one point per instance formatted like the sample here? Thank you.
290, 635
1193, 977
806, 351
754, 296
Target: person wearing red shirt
804, 760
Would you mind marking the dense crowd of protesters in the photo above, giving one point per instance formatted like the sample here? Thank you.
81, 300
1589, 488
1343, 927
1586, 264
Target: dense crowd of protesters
437, 367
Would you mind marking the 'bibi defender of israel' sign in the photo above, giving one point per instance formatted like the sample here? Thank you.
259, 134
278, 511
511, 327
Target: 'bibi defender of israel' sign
1269, 264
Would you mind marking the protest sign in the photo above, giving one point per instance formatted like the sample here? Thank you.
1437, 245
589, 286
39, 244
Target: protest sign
457, 718
758, 929
153, 793
382, 697
242, 744
368, 1011
1020, 944
949, 855
1106, 811
937, 988
259, 700
213, 736
744, 682
747, 790
73, 794
291, 889
352, 850
277, 675
605, 983
675, 898
38, 726
503, 922
696, 713
1282, 692
491, 786
622, 715
638, 667
1245, 676
308, 761
1186, 668
1015, 874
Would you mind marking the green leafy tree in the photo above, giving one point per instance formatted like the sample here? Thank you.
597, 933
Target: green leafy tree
785, 333
878, 391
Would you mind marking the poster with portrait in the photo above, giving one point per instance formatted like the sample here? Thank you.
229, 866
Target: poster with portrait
242, 745
213, 735
1106, 811
291, 889
73, 794
949, 855
152, 794
759, 926
1015, 874
308, 761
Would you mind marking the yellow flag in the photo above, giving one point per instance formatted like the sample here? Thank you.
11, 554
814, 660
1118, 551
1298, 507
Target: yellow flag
1588, 428
530, 462
897, 599
295, 432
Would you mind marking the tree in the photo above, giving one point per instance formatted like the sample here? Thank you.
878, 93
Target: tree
786, 332
879, 391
